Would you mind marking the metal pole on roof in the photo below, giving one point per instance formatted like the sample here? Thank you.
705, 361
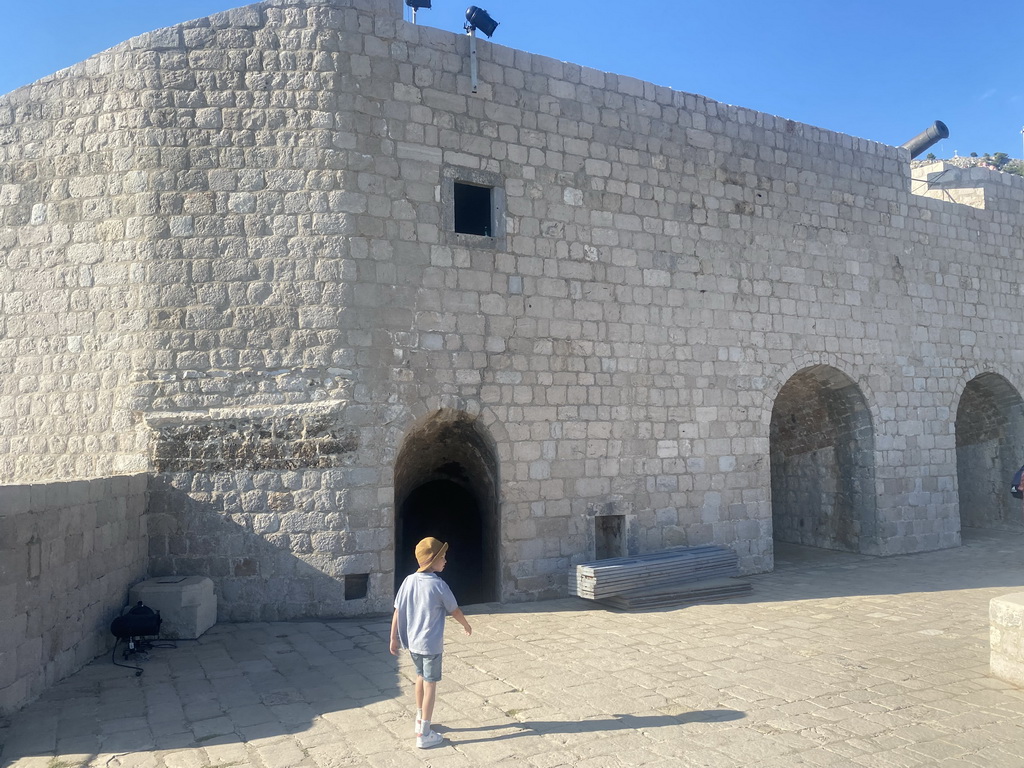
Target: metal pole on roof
472, 56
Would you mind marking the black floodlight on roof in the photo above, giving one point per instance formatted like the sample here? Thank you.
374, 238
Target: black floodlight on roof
416, 5
478, 18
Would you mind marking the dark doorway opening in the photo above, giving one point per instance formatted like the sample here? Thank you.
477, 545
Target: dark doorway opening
609, 536
446, 487
447, 511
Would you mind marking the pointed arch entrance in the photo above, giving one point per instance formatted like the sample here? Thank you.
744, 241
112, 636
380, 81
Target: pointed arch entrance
989, 440
822, 463
446, 486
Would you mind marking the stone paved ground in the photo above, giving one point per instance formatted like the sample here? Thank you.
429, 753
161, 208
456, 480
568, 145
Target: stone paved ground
835, 660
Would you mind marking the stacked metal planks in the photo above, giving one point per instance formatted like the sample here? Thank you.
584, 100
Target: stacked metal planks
658, 579
694, 592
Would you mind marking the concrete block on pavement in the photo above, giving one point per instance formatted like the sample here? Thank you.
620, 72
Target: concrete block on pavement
187, 605
1006, 628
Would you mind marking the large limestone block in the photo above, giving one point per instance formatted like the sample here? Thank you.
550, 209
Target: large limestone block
1006, 631
187, 605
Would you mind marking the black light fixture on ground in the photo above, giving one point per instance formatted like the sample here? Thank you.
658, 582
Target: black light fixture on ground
477, 18
133, 627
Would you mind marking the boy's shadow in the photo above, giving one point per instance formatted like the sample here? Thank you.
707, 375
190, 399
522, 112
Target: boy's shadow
613, 723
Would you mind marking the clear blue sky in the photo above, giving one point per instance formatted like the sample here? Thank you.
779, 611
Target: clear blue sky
879, 70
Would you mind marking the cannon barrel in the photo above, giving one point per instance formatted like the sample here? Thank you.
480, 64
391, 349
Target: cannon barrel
935, 133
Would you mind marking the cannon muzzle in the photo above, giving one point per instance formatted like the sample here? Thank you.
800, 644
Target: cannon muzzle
936, 132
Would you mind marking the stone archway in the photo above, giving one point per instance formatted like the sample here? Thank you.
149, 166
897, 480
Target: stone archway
989, 441
446, 486
822, 463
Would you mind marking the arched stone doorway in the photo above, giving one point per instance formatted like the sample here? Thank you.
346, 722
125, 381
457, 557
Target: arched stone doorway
989, 441
446, 486
822, 463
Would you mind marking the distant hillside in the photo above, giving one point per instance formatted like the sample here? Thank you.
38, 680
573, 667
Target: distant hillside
1000, 161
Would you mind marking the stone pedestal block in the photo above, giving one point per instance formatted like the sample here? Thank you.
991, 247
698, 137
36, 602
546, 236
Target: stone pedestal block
1006, 632
187, 604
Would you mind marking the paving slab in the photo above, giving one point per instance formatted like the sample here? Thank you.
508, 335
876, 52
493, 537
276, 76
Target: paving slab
835, 659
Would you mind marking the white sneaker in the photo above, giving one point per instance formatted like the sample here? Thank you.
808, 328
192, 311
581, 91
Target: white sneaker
429, 739
419, 727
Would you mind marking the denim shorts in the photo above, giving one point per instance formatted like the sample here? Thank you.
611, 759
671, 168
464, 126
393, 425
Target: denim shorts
427, 667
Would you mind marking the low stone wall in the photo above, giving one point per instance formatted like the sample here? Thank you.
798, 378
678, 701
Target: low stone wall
1006, 624
69, 551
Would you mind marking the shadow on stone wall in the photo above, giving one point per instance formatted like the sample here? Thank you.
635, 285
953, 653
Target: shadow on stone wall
265, 565
239, 682
68, 553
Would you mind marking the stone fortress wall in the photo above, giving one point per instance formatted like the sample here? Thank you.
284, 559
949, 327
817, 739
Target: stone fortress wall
232, 259
67, 552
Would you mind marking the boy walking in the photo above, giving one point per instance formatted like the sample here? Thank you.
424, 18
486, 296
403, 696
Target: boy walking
421, 605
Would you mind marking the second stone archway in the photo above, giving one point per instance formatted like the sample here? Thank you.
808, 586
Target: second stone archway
822, 463
989, 436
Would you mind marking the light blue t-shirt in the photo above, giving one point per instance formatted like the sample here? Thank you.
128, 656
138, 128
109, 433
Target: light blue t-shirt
423, 601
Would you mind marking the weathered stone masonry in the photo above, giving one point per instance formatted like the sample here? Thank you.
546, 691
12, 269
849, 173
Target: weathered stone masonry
67, 550
230, 259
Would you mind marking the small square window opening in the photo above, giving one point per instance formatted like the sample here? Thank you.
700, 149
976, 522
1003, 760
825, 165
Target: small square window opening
473, 209
356, 585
